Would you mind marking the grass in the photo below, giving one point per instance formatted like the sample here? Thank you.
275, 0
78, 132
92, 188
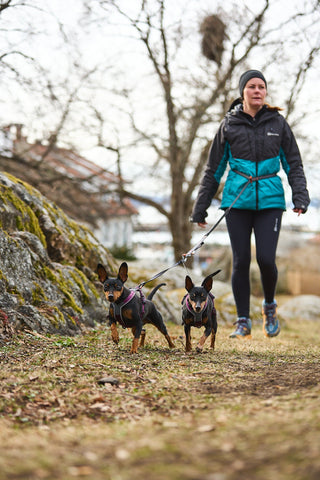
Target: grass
248, 410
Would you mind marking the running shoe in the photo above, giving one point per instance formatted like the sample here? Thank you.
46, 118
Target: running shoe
271, 326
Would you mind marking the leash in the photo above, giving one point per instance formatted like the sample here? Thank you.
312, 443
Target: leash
159, 274
185, 256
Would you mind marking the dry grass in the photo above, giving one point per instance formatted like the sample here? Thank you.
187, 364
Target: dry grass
249, 410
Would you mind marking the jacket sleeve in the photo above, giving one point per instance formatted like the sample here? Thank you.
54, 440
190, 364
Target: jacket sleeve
216, 165
292, 164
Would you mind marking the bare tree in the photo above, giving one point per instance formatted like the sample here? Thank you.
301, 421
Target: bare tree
195, 96
53, 98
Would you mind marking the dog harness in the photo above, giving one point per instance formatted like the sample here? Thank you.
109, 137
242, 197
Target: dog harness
117, 308
197, 315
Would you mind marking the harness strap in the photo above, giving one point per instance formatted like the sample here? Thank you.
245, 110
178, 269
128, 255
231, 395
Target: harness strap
143, 302
118, 309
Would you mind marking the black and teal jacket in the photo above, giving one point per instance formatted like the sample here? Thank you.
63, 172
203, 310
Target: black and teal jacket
252, 147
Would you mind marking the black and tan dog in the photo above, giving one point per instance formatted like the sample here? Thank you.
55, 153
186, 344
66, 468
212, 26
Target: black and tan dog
130, 308
198, 310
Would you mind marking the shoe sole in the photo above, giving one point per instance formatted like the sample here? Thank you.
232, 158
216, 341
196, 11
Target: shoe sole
242, 337
268, 335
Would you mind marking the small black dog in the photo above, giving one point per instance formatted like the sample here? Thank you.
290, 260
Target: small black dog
129, 308
198, 310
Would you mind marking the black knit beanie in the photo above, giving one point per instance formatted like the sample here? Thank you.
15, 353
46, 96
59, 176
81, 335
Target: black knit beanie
246, 76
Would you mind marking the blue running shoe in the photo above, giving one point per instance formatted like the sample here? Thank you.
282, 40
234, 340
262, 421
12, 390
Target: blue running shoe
243, 328
271, 326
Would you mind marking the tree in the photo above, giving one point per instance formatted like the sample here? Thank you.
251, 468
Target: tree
196, 92
51, 97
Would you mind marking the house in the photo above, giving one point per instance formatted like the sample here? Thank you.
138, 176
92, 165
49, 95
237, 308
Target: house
86, 192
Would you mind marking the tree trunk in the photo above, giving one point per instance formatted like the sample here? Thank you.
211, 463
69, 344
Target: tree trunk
180, 226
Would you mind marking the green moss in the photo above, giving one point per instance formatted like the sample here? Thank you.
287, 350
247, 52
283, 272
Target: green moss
80, 279
59, 315
64, 285
49, 274
38, 295
27, 221
53, 314
12, 290
19, 223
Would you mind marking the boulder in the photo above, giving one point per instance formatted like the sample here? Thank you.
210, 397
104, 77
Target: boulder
47, 265
302, 307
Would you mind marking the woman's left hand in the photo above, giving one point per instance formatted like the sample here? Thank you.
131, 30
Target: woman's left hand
298, 211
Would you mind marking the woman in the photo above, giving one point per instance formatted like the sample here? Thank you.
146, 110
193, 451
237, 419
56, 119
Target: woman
254, 140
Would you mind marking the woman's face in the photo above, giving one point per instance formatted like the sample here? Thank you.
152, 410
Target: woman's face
254, 93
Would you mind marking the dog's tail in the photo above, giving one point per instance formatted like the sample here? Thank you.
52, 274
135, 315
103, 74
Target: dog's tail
151, 294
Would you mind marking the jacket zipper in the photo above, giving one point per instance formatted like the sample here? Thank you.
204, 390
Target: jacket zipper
255, 148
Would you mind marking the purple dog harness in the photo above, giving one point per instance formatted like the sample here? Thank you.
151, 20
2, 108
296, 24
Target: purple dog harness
117, 309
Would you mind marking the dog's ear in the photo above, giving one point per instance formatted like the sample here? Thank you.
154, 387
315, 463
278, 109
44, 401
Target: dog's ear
102, 273
188, 283
207, 283
123, 272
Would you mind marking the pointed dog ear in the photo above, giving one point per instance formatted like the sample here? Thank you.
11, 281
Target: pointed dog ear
207, 283
188, 283
123, 272
102, 273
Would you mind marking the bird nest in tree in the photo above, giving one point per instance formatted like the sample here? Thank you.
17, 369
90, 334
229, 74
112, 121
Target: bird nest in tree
213, 32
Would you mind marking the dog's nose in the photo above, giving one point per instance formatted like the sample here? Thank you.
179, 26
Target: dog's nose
198, 308
110, 297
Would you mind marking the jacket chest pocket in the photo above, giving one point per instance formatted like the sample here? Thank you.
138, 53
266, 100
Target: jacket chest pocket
267, 143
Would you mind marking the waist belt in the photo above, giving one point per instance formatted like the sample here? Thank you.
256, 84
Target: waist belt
251, 179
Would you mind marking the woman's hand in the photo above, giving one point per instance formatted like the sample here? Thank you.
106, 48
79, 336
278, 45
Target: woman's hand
298, 211
202, 224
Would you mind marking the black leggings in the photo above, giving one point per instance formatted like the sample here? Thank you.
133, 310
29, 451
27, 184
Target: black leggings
266, 226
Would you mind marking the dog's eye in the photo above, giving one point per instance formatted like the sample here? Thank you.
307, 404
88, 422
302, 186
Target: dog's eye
106, 287
118, 287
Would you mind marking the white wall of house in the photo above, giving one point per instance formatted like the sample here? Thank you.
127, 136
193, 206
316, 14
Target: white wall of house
115, 232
